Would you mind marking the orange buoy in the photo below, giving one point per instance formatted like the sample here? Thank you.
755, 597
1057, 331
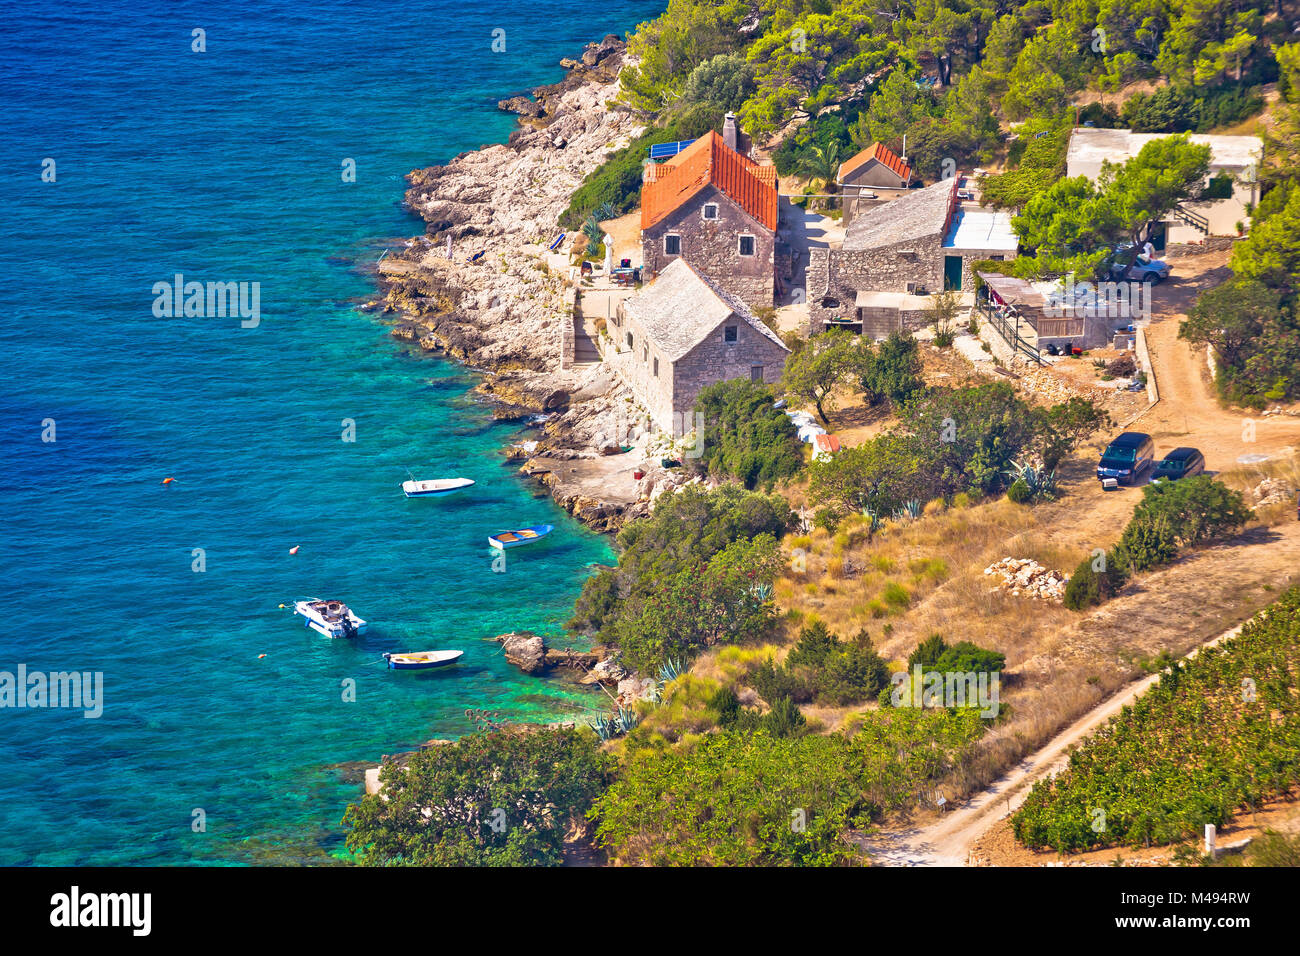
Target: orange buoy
168, 481
294, 549
260, 656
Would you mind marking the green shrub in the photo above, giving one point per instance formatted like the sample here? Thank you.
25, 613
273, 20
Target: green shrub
744, 436
545, 776
1089, 587
964, 657
1019, 492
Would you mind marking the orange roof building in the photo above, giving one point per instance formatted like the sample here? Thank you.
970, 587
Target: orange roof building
877, 165
717, 209
709, 162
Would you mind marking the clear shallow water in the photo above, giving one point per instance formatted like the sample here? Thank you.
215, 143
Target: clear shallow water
225, 166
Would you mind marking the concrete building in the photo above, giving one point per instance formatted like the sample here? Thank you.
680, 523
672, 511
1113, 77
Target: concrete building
894, 256
716, 209
873, 176
682, 333
1237, 158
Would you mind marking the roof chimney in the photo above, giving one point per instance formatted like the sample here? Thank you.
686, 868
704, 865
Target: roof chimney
729, 130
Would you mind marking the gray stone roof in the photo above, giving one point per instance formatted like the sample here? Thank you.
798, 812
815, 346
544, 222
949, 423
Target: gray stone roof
681, 308
921, 213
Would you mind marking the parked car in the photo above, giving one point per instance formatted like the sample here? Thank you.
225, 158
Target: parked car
1126, 458
1179, 463
1142, 270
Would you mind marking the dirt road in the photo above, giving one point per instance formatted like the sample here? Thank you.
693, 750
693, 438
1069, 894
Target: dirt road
948, 841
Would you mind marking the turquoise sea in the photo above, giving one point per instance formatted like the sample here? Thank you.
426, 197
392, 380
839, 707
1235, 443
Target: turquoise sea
225, 165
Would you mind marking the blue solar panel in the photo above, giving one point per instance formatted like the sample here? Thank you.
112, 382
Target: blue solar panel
668, 150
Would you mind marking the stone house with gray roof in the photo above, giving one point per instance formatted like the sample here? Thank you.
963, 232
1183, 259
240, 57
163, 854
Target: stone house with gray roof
896, 254
682, 333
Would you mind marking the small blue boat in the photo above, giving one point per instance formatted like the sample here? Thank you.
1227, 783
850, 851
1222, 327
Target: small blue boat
422, 660
513, 539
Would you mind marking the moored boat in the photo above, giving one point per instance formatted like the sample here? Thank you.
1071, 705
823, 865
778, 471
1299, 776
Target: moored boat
331, 618
422, 660
513, 539
435, 487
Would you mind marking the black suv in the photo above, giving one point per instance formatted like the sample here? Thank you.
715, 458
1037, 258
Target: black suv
1179, 463
1126, 458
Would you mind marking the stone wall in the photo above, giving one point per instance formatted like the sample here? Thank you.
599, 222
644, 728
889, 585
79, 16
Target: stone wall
635, 364
715, 360
839, 275
712, 247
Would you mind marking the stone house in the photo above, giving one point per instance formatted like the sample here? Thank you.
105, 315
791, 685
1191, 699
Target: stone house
717, 209
681, 333
1235, 160
871, 177
894, 256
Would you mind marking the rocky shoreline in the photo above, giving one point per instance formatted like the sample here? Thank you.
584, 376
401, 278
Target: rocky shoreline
505, 313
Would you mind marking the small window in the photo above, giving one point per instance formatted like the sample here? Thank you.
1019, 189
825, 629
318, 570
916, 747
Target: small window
656, 366
629, 340
729, 333
746, 245
756, 373
710, 210
645, 353
672, 245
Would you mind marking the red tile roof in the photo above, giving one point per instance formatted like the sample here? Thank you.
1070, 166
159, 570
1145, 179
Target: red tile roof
709, 161
827, 443
882, 154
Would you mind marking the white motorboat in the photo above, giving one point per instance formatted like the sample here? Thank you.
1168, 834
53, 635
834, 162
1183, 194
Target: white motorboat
331, 618
435, 487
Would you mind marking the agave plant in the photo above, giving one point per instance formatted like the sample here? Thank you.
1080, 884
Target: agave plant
1041, 482
626, 719
591, 229
762, 592
603, 212
873, 520
909, 509
603, 726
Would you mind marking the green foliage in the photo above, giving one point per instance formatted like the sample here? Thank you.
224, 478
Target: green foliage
928, 652
744, 436
723, 82
1217, 733
1146, 544
1199, 509
822, 668
826, 133
445, 807
892, 371
709, 551
1095, 581
700, 606
1173, 515
953, 441
1019, 492
730, 798
1039, 157
828, 361
964, 658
